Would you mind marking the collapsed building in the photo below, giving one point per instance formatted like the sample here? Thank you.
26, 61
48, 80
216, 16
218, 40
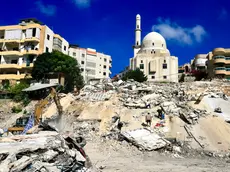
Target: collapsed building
116, 111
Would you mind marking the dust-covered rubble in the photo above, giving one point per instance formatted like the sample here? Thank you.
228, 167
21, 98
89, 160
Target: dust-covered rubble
47, 150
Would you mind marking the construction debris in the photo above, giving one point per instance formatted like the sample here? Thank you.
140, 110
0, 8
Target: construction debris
48, 148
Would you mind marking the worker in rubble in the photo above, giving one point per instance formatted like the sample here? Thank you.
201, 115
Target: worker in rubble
1, 132
120, 124
148, 119
159, 111
147, 104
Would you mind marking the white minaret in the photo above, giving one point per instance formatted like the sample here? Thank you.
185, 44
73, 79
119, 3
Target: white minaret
137, 35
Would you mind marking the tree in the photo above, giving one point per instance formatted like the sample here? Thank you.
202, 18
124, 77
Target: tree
136, 74
18, 94
57, 62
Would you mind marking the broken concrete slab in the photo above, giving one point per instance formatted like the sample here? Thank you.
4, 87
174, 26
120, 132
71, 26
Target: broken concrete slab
145, 139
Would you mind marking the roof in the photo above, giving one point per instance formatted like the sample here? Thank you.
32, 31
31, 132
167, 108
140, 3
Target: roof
39, 86
27, 20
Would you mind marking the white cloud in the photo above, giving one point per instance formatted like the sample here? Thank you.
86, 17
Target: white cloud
172, 31
223, 14
82, 3
46, 9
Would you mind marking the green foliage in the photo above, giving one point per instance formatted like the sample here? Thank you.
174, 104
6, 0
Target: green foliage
16, 109
137, 75
58, 62
18, 94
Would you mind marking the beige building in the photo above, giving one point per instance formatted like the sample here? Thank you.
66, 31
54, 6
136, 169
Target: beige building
219, 63
152, 56
21, 44
94, 65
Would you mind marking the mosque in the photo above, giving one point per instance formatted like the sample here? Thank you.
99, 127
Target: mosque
152, 56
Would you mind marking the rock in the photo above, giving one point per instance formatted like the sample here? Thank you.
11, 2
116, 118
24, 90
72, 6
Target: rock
177, 149
49, 155
20, 164
218, 110
79, 157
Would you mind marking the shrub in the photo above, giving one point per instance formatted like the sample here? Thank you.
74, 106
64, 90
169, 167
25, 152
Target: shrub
16, 109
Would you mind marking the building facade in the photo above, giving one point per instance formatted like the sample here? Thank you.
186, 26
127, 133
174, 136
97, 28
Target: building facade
219, 63
21, 44
200, 63
152, 56
94, 65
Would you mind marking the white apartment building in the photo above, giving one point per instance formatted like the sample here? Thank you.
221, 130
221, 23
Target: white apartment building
94, 65
21, 44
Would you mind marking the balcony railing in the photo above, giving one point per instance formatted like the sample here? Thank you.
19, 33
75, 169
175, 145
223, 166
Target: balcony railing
219, 57
227, 58
220, 68
227, 69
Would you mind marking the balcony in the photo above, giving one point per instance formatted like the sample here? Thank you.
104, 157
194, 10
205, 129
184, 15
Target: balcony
18, 53
10, 66
227, 60
227, 71
33, 39
11, 53
220, 70
33, 52
24, 65
218, 51
219, 59
16, 66
12, 76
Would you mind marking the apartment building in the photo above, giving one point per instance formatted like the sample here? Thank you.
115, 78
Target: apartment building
219, 63
200, 63
21, 44
93, 64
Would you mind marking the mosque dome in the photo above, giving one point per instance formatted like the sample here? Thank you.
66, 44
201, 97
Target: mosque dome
153, 40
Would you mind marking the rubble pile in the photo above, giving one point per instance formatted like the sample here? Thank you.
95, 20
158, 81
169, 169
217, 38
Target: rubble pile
47, 151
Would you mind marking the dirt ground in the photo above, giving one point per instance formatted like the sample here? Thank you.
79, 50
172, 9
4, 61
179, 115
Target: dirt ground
113, 157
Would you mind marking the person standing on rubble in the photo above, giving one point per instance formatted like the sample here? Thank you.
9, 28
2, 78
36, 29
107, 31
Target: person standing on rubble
148, 119
160, 113
1, 132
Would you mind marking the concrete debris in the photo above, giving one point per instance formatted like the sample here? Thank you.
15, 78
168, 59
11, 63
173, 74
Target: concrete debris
145, 139
44, 150
218, 110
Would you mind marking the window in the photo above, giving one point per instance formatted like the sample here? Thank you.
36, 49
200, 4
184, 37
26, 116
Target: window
137, 26
47, 49
82, 69
34, 32
164, 61
165, 77
164, 65
104, 66
162, 45
48, 37
74, 54
141, 66
82, 62
104, 73
141, 61
65, 48
83, 55
153, 77
105, 60
153, 43
100, 64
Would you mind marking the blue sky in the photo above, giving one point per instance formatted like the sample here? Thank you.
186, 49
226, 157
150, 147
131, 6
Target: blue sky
189, 27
